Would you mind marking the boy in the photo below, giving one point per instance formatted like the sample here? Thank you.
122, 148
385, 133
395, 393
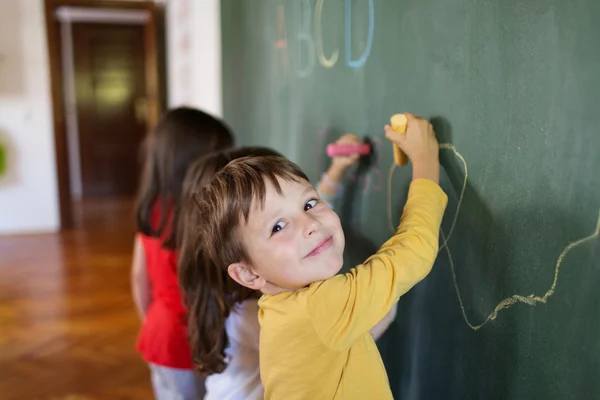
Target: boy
266, 225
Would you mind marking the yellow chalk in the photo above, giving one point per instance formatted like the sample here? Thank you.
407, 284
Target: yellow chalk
399, 123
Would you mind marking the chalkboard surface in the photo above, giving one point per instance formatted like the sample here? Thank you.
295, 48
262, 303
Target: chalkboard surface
511, 309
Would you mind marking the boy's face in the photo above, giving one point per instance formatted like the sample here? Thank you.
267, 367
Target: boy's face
294, 240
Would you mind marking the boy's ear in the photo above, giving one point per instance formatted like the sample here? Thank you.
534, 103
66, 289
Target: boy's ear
245, 276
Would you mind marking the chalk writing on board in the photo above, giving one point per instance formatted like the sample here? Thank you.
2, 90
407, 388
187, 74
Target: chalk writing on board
530, 300
324, 61
365, 55
311, 45
306, 42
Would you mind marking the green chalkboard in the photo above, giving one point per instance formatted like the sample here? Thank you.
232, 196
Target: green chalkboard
514, 86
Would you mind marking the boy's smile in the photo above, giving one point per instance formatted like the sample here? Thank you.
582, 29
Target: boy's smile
324, 245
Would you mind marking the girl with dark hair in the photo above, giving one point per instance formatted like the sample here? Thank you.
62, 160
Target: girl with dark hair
180, 137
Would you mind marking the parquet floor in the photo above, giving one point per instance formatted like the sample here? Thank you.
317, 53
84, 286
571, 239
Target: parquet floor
67, 321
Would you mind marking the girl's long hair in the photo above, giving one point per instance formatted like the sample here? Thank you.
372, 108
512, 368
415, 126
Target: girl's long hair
210, 295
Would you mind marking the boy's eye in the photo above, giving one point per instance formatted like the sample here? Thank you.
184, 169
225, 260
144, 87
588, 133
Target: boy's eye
278, 226
310, 204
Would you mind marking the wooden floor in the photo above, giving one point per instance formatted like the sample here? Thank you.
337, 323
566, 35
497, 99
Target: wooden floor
67, 322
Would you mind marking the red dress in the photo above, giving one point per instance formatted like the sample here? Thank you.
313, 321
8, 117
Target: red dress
163, 337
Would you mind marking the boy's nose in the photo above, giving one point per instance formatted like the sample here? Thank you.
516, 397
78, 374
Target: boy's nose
311, 226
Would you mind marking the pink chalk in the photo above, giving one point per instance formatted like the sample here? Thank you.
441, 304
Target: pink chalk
334, 150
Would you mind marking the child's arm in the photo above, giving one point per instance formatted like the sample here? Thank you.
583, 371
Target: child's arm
330, 185
345, 307
140, 284
329, 189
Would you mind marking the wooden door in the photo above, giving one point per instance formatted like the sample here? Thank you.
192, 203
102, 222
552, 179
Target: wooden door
111, 106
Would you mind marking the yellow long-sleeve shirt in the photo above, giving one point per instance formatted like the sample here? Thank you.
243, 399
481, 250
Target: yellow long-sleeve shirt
315, 342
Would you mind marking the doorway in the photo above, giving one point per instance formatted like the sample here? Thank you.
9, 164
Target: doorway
105, 88
110, 107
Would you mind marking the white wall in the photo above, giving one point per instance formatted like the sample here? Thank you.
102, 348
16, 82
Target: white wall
29, 189
194, 54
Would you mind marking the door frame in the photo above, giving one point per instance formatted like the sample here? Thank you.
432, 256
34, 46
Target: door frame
154, 40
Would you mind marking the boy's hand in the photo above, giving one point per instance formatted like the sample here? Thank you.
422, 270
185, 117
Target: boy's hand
420, 145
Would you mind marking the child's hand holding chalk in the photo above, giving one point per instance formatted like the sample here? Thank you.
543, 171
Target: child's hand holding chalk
344, 161
399, 123
420, 145
344, 153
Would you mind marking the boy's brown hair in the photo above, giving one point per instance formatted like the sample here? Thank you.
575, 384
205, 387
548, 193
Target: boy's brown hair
229, 197
220, 191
